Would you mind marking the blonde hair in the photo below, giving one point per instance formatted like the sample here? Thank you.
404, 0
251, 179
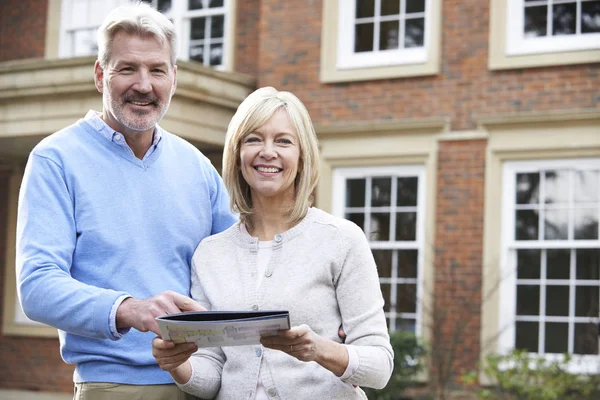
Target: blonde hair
136, 19
254, 112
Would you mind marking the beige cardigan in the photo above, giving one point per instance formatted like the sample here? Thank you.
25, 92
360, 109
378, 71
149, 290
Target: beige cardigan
323, 272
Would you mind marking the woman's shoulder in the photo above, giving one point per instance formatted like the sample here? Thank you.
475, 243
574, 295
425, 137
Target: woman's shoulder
341, 225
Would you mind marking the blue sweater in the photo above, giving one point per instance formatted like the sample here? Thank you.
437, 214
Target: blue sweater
96, 223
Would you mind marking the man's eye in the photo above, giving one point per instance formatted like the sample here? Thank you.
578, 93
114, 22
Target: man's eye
158, 71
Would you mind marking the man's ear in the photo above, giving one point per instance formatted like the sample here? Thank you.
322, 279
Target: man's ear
174, 80
98, 76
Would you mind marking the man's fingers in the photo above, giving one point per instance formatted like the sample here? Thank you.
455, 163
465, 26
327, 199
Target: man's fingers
184, 303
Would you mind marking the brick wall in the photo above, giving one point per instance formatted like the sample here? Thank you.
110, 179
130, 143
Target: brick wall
22, 29
27, 363
290, 34
246, 36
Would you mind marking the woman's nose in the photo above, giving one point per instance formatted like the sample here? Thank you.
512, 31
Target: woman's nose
268, 151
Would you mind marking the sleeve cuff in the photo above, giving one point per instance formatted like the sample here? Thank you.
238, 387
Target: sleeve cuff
352, 363
117, 333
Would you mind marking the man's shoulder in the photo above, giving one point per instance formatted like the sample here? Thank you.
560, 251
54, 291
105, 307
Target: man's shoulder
62, 141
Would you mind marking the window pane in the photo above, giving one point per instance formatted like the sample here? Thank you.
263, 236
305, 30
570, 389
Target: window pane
557, 301
389, 35
197, 30
197, 53
163, 5
586, 223
357, 218
383, 259
380, 227
564, 19
588, 264
363, 36
586, 339
556, 225
557, 187
215, 3
381, 192
527, 336
365, 8
528, 264
586, 301
414, 6
194, 4
216, 54
405, 324
390, 7
586, 183
406, 226
407, 191
414, 32
407, 263
558, 264
84, 42
526, 225
406, 298
528, 300
590, 16
217, 26
386, 290
528, 186
355, 192
557, 338
535, 21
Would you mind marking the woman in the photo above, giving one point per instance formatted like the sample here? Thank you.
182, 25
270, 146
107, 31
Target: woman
284, 254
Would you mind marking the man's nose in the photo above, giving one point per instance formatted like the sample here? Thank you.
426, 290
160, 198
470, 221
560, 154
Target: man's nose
143, 84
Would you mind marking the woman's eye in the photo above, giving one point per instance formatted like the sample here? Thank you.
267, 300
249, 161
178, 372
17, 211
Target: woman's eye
251, 140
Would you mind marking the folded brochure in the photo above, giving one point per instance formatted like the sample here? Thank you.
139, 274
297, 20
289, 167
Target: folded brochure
222, 328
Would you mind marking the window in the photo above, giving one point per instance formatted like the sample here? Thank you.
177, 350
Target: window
543, 26
382, 32
203, 27
388, 203
551, 249
529, 33
371, 39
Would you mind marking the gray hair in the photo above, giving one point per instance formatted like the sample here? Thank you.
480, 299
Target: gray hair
137, 19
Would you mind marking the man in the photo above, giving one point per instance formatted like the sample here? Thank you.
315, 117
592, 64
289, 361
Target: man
111, 210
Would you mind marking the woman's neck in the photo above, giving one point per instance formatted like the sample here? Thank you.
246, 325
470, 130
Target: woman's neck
268, 220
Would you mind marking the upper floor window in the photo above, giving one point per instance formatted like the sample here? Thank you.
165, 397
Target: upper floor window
203, 27
550, 288
547, 26
382, 32
388, 204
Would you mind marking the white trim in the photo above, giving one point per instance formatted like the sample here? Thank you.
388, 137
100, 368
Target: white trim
509, 245
348, 59
518, 44
340, 176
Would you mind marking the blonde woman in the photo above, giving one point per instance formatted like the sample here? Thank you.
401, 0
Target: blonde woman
284, 254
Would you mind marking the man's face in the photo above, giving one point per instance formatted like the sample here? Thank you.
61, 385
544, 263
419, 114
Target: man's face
137, 84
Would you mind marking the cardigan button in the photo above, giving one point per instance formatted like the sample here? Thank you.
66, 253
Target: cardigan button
255, 307
272, 392
258, 352
278, 238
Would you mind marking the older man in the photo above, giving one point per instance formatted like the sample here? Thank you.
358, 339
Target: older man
111, 210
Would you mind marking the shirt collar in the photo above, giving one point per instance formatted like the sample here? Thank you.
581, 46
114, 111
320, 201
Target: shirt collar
93, 118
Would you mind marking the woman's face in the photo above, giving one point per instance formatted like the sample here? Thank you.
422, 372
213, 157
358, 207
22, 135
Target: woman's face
269, 158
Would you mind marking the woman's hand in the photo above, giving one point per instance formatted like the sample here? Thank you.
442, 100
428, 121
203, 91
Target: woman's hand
174, 358
304, 344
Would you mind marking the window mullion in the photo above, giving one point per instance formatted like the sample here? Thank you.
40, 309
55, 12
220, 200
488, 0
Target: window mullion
542, 311
572, 287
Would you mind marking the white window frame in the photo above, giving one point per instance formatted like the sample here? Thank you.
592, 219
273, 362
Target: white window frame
178, 14
508, 276
340, 176
518, 44
348, 59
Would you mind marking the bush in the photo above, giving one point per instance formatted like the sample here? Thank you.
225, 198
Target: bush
523, 376
408, 362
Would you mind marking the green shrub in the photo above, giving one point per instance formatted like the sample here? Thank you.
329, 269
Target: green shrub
523, 376
408, 362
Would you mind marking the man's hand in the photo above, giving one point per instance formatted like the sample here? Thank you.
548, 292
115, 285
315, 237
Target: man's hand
141, 314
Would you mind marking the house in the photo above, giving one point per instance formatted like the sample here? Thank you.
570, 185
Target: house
463, 136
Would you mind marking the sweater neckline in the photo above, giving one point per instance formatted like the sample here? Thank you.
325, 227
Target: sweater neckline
243, 238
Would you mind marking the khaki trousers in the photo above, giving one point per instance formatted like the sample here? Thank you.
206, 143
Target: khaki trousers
114, 391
